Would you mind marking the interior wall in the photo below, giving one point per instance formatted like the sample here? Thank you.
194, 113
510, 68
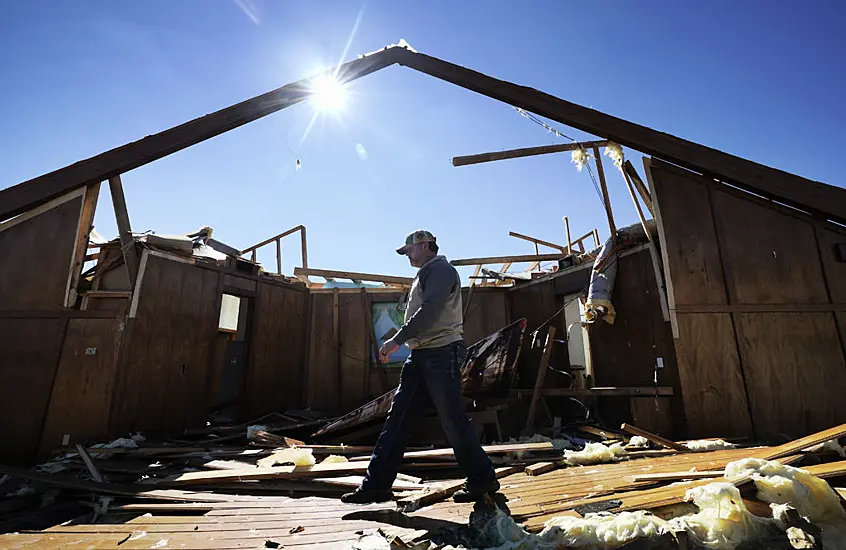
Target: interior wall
84, 382
36, 250
629, 352
276, 364
164, 359
341, 370
756, 290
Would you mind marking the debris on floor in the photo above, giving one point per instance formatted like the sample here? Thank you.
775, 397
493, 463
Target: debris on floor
192, 493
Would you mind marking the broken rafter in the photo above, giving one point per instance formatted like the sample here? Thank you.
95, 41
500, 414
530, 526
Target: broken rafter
563, 249
327, 274
525, 152
512, 259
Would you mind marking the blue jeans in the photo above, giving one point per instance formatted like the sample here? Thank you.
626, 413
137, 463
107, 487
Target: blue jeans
429, 376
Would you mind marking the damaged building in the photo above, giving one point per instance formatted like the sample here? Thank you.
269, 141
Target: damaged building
721, 313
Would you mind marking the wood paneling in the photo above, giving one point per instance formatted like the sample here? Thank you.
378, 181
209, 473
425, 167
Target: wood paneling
29, 353
835, 271
690, 240
770, 257
84, 383
627, 352
323, 381
795, 372
711, 378
36, 256
165, 355
277, 352
355, 345
487, 312
654, 415
538, 303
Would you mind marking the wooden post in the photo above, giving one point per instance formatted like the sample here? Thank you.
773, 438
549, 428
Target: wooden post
279, 256
544, 364
596, 237
629, 169
305, 248
127, 243
637, 204
605, 197
567, 226
83, 233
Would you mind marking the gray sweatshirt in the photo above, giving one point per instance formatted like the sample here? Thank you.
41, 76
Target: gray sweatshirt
433, 316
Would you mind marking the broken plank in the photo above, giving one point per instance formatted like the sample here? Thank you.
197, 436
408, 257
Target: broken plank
797, 445
489, 449
513, 259
92, 469
634, 430
445, 490
302, 271
540, 468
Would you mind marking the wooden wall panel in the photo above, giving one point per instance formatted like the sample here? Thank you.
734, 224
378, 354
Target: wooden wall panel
354, 340
835, 271
29, 353
165, 355
627, 352
690, 239
36, 256
794, 370
84, 383
770, 257
322, 392
711, 378
277, 352
537, 303
654, 415
487, 312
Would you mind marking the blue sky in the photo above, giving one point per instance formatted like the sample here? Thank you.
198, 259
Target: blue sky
762, 80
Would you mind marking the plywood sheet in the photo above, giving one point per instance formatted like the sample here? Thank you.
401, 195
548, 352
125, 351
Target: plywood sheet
355, 350
36, 256
835, 270
277, 351
690, 239
165, 354
711, 379
627, 353
323, 357
537, 304
487, 312
795, 371
770, 257
29, 353
653, 414
84, 384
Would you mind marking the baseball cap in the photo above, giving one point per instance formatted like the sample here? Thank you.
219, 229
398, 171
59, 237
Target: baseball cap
419, 236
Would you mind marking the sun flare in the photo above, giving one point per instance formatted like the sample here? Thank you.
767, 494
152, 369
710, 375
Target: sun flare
328, 94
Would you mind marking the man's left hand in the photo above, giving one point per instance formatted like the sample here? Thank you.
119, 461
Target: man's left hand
386, 350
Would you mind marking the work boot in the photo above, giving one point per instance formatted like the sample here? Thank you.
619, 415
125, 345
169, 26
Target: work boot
367, 496
474, 494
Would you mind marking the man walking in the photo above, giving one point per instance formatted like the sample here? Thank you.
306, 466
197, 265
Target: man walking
433, 330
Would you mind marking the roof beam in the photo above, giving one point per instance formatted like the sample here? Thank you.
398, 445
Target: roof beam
511, 259
353, 276
525, 152
29, 194
812, 196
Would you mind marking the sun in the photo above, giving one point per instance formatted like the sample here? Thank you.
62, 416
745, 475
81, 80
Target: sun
328, 94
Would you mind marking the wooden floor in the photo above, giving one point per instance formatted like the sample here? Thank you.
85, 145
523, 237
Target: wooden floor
311, 522
233, 521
